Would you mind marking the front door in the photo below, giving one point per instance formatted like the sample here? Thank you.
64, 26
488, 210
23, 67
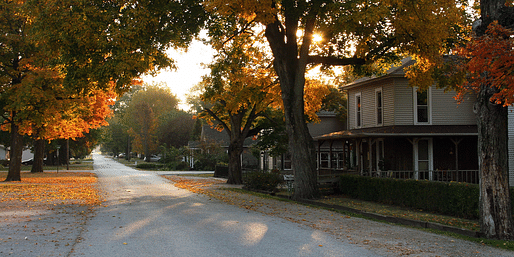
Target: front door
423, 160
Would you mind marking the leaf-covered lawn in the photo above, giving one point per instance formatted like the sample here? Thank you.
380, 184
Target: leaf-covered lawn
201, 186
50, 188
395, 211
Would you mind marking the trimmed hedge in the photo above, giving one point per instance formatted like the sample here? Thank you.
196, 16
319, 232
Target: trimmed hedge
148, 165
455, 199
262, 180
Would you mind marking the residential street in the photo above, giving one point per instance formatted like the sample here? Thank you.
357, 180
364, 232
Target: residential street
146, 215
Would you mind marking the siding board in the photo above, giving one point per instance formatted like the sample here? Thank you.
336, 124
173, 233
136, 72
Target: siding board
403, 104
447, 111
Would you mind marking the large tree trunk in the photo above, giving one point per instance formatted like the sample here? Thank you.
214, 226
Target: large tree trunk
301, 145
291, 72
235, 148
492, 120
15, 154
234, 162
39, 155
495, 206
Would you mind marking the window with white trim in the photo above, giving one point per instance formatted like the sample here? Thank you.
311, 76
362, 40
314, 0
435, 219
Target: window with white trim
379, 108
422, 108
358, 110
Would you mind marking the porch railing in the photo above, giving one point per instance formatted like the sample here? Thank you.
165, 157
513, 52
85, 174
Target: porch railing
468, 176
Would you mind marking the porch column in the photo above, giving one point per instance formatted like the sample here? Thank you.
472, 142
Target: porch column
330, 152
358, 154
456, 142
370, 156
318, 156
414, 154
344, 155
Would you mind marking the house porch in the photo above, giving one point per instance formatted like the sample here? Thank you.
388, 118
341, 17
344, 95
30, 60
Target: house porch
440, 153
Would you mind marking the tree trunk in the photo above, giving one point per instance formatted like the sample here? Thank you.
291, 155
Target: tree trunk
15, 154
301, 148
495, 205
39, 155
235, 148
234, 162
492, 119
291, 73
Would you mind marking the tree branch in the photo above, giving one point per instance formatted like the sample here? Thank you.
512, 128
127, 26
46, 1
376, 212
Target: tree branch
335, 61
217, 119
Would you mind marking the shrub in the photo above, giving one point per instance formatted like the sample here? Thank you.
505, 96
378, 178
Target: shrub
182, 166
177, 165
221, 171
148, 165
261, 180
456, 199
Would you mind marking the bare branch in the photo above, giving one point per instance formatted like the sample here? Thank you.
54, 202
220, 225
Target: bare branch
335, 61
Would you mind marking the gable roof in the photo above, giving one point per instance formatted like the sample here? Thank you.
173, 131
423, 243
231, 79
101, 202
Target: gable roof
394, 71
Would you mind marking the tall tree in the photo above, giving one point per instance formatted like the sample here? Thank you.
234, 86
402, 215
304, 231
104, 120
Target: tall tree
145, 109
174, 128
240, 88
485, 66
88, 45
365, 34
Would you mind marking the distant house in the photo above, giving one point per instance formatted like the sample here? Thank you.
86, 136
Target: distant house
4, 154
329, 122
210, 135
396, 130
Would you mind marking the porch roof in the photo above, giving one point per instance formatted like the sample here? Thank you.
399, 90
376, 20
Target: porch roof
403, 131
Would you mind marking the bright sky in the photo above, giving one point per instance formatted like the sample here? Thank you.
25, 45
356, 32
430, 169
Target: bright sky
189, 70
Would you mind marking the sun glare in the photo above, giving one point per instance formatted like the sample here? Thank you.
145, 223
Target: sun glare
316, 38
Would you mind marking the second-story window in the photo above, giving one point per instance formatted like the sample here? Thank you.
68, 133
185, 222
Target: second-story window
287, 162
379, 106
358, 111
422, 106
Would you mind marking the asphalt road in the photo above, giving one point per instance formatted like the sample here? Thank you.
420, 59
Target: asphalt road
147, 216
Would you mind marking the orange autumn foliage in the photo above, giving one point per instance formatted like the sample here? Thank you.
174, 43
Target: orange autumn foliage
71, 118
490, 62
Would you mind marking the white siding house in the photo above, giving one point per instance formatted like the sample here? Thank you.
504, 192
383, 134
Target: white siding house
397, 130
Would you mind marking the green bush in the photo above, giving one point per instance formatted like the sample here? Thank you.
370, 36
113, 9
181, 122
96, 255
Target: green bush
148, 165
4, 163
178, 165
182, 166
455, 199
221, 171
261, 180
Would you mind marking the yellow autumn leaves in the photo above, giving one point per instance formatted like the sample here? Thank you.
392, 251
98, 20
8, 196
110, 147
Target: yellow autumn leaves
53, 188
